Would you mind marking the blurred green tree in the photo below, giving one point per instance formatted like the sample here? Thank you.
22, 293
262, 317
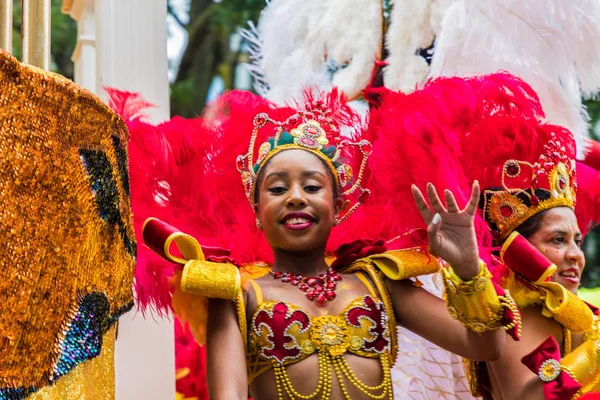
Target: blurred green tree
209, 53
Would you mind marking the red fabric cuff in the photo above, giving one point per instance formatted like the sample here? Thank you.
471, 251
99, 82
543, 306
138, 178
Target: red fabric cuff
563, 386
523, 258
155, 233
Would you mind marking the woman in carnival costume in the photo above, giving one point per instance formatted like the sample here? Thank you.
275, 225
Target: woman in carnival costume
319, 322
492, 126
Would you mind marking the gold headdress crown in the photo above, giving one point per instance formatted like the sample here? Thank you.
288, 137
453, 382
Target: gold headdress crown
316, 130
529, 188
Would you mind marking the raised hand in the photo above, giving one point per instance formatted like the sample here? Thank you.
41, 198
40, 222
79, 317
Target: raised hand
451, 231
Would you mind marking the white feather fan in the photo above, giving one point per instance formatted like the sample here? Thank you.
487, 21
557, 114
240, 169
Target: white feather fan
551, 44
297, 42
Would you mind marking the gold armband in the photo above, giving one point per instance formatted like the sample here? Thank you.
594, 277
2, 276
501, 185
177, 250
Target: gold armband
478, 304
583, 364
212, 280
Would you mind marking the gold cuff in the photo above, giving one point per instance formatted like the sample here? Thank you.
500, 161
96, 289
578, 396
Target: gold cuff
476, 304
583, 365
212, 280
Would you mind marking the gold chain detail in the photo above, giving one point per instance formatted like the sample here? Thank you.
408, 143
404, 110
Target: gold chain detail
327, 365
508, 302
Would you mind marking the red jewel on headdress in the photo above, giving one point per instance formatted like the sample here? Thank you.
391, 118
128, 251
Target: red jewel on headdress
506, 211
562, 183
293, 121
311, 130
239, 163
512, 169
260, 120
364, 196
366, 148
308, 142
535, 201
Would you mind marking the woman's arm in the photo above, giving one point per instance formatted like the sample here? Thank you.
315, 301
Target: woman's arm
427, 316
225, 355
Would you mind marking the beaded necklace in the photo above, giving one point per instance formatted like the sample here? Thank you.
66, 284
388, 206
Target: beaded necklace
321, 288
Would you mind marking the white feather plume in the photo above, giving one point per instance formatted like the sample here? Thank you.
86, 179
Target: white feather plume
296, 41
413, 26
348, 33
550, 44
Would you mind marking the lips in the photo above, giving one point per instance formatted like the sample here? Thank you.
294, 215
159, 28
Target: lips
298, 220
571, 275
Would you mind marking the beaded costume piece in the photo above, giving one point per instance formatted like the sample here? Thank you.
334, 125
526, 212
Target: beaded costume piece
68, 247
283, 334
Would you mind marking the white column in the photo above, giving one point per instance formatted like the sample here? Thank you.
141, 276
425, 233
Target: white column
132, 50
132, 55
84, 56
122, 44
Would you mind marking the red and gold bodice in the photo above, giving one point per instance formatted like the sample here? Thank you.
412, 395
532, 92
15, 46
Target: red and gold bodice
283, 333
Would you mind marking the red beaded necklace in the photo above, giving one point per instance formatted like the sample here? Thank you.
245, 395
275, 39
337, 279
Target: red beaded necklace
321, 288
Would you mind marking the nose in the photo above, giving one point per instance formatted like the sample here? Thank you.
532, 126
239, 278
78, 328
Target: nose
575, 254
296, 197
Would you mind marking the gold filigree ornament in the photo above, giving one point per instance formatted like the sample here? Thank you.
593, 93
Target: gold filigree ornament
310, 134
549, 370
330, 333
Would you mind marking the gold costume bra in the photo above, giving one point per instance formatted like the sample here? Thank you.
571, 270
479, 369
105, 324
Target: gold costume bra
281, 333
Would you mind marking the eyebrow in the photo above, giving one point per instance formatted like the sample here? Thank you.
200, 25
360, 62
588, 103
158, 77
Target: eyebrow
311, 173
285, 174
564, 233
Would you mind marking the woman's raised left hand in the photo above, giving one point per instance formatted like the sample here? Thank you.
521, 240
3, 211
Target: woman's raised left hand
451, 231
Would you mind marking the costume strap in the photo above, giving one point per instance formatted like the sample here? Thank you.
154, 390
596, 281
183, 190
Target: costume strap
361, 277
257, 292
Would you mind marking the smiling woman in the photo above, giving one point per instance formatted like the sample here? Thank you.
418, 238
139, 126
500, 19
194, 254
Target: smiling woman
328, 308
534, 202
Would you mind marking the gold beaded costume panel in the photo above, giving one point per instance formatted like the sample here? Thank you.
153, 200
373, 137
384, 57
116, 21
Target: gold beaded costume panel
68, 247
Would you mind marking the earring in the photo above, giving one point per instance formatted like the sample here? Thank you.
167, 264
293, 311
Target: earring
336, 222
258, 224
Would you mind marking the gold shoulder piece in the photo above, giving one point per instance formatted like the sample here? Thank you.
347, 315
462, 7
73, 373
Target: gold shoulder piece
406, 263
212, 280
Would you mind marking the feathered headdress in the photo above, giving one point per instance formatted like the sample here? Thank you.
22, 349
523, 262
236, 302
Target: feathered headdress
315, 128
490, 129
184, 173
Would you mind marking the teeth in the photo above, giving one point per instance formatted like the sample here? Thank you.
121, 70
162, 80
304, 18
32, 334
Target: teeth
297, 221
568, 274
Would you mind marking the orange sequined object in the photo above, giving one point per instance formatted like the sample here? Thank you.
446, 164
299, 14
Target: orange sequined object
68, 248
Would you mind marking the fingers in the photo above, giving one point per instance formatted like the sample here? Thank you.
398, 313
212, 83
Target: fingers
434, 199
451, 202
433, 230
424, 209
471, 207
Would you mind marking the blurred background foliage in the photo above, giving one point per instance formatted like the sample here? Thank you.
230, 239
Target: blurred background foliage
213, 53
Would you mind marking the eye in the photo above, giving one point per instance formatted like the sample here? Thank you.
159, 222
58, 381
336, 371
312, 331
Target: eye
277, 189
579, 242
312, 188
558, 240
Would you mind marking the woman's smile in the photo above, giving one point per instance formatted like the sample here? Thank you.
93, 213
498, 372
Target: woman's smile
298, 221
